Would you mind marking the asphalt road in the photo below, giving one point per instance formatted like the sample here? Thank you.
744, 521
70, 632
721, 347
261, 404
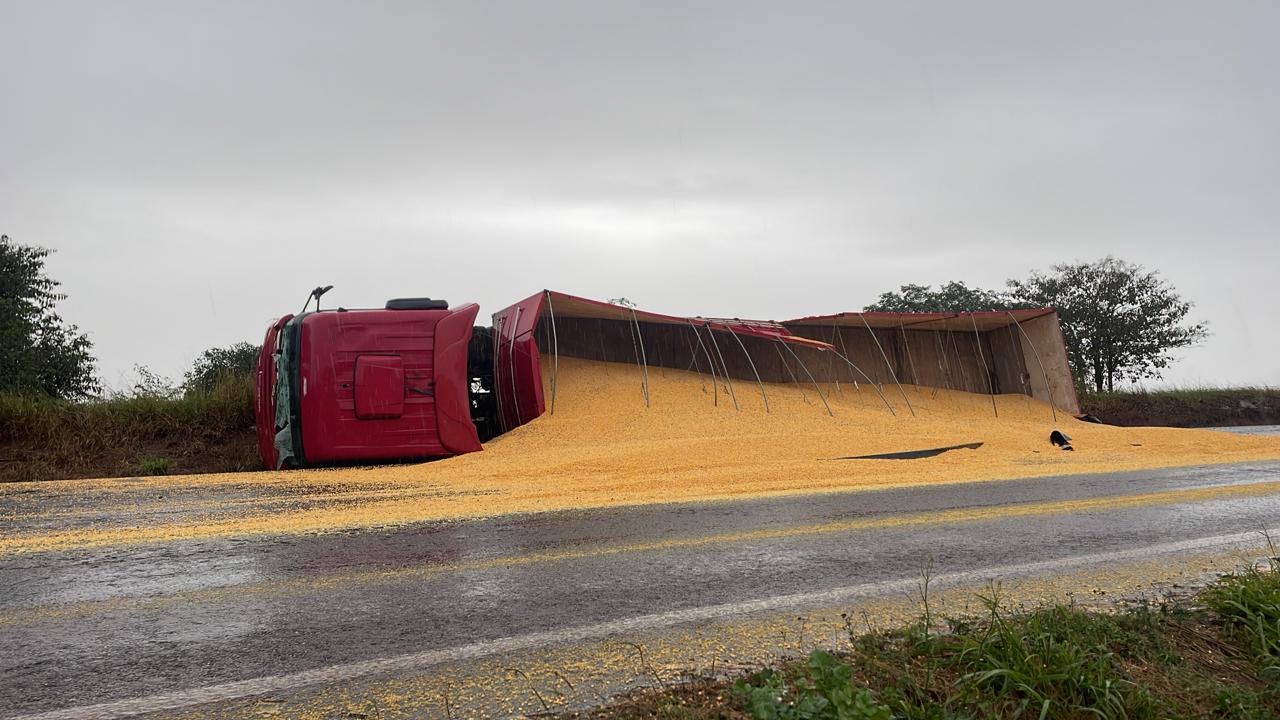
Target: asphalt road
97, 626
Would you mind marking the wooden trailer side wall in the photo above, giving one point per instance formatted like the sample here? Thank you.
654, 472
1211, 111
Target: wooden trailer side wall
1007, 361
1045, 334
919, 357
664, 345
945, 359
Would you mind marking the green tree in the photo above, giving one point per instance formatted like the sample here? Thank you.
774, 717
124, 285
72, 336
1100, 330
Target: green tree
1119, 320
39, 353
217, 365
951, 297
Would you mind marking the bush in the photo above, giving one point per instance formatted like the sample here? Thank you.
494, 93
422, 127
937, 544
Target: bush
219, 365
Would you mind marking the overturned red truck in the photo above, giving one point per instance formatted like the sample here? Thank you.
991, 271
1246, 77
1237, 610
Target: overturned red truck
351, 385
417, 379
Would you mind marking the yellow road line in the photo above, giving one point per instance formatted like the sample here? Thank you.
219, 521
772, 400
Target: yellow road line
942, 517
120, 536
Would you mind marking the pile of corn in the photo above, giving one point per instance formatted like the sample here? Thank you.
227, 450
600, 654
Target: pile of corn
602, 443
604, 447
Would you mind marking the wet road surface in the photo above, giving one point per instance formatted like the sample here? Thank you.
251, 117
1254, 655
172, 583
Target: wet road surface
92, 625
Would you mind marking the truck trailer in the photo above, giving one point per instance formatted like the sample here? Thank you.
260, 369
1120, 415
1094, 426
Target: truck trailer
417, 379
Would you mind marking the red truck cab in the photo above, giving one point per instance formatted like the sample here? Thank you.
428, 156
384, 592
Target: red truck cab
344, 386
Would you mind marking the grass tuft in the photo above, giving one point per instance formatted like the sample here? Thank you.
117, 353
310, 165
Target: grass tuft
153, 466
1248, 605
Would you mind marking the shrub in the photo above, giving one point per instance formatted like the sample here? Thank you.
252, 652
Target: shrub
217, 366
826, 692
153, 466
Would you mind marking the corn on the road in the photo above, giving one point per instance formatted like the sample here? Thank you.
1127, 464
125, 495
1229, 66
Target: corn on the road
604, 447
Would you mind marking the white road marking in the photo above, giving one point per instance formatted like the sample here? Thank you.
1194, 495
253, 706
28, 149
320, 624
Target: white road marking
181, 699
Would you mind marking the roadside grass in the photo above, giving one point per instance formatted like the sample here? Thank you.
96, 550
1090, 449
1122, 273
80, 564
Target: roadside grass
153, 466
1185, 407
1248, 605
1216, 655
43, 438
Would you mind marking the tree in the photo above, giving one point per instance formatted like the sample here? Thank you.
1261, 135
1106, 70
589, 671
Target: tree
952, 297
39, 353
217, 365
1119, 320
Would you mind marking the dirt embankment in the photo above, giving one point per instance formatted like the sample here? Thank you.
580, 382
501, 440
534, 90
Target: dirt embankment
225, 451
1186, 408
43, 439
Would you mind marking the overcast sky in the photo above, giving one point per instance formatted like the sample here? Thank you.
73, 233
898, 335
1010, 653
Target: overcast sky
200, 166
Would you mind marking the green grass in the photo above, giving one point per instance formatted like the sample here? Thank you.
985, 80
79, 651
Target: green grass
1215, 656
153, 466
42, 438
1248, 604
1186, 407
825, 691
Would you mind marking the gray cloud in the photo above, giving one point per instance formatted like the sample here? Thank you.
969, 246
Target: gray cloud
200, 166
